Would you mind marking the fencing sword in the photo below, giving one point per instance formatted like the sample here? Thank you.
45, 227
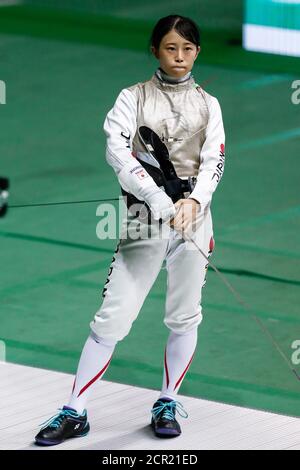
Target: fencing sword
155, 145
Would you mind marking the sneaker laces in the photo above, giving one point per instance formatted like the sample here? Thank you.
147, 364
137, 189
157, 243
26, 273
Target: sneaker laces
168, 410
56, 420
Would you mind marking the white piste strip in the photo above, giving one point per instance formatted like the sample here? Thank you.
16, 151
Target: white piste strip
119, 416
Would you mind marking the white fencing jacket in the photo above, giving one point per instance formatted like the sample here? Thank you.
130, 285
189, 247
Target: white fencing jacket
186, 118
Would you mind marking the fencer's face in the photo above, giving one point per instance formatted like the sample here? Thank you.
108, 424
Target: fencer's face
176, 54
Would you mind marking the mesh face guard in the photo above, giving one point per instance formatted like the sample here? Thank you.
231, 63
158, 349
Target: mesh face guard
165, 176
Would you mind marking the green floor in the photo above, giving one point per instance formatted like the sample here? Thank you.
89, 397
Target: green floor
53, 266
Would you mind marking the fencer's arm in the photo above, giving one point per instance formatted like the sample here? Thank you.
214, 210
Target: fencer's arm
212, 157
120, 127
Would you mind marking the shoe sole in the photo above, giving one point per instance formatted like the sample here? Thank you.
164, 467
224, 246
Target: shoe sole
165, 433
46, 442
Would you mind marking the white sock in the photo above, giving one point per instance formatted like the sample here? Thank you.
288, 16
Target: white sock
94, 361
178, 357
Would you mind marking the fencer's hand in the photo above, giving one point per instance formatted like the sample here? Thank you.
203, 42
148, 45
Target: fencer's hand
184, 221
161, 205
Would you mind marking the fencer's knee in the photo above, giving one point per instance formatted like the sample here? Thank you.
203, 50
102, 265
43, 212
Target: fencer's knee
186, 333
105, 341
184, 325
110, 333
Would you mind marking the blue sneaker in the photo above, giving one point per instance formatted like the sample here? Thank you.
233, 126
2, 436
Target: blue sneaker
67, 423
163, 420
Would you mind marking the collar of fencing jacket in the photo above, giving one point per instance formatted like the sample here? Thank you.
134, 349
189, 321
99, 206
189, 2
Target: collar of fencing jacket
168, 83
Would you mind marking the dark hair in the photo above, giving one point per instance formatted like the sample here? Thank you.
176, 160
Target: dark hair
184, 26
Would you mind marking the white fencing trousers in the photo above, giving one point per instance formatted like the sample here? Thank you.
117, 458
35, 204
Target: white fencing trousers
135, 267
